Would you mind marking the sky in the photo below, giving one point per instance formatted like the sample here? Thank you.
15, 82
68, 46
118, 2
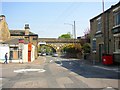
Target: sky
47, 19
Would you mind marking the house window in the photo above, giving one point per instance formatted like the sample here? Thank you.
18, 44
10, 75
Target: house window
27, 38
99, 24
34, 38
117, 44
94, 44
117, 18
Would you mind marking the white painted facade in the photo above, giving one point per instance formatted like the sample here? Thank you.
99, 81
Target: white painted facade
4, 48
25, 53
33, 53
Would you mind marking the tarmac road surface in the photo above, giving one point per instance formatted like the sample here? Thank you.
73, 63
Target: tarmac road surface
55, 72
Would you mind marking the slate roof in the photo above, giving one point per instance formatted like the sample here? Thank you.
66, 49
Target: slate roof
21, 33
14, 41
112, 7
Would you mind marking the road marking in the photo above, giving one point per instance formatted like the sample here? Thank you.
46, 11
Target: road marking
44, 60
58, 64
1, 78
51, 60
29, 70
70, 63
0, 86
109, 87
116, 70
57, 59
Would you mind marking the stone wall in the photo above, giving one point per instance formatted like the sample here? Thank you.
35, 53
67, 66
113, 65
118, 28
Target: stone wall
4, 31
107, 20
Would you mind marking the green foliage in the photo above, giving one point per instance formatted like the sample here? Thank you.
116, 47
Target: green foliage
72, 48
86, 48
66, 36
46, 49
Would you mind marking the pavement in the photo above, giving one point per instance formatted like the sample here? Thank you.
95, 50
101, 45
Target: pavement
114, 66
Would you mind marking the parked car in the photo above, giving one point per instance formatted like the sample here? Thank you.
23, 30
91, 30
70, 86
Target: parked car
43, 54
55, 55
39, 54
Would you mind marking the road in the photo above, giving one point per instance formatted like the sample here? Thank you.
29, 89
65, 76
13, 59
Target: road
55, 72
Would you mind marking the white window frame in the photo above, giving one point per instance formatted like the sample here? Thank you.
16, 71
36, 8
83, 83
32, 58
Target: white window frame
117, 44
94, 45
99, 24
116, 18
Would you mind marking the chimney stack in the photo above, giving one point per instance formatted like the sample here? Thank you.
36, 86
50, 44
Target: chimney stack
27, 29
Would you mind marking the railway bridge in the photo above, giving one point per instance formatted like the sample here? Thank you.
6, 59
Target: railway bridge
57, 43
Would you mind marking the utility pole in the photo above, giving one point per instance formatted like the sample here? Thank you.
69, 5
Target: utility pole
74, 31
74, 34
104, 36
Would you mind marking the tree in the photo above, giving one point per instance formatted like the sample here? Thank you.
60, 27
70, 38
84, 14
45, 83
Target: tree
66, 36
86, 48
72, 48
87, 35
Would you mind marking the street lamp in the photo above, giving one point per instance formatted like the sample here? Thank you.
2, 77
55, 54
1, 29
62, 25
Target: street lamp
72, 28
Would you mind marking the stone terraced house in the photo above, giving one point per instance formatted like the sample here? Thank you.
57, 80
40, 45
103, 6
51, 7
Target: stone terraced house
105, 34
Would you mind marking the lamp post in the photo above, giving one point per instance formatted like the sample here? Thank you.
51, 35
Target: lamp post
72, 28
74, 31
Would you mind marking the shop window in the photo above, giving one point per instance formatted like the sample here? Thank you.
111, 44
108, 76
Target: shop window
13, 53
15, 48
117, 44
20, 54
117, 18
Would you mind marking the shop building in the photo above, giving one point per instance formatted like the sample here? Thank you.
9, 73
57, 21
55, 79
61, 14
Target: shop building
27, 35
22, 43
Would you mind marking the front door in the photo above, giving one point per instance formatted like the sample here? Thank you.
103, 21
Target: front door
100, 52
29, 56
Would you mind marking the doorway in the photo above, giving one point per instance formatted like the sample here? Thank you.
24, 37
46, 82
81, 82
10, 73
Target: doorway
100, 52
29, 56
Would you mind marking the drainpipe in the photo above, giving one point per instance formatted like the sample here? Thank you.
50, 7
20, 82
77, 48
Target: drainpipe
108, 31
104, 36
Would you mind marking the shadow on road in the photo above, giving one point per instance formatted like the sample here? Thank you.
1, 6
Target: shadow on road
88, 71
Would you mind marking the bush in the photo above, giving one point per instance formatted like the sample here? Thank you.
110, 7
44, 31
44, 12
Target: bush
86, 48
72, 48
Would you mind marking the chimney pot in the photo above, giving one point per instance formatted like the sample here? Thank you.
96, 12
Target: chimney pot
27, 29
